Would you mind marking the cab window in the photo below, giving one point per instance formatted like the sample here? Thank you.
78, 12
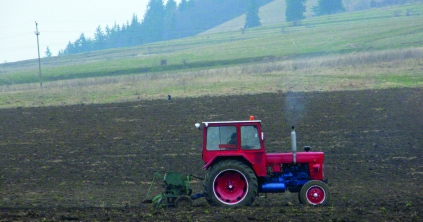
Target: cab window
250, 138
219, 136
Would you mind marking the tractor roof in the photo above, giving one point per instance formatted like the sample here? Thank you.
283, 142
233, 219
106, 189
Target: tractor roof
241, 121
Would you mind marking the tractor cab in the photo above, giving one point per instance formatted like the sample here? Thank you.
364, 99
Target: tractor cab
237, 139
233, 136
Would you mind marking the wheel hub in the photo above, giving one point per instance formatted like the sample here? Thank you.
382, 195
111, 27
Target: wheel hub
315, 195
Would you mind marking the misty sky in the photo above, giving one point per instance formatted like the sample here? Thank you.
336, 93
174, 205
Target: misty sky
59, 21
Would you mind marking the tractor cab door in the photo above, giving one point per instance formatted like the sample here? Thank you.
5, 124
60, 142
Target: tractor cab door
250, 138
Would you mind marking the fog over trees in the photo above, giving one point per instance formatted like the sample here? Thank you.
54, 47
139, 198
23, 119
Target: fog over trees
166, 20
163, 21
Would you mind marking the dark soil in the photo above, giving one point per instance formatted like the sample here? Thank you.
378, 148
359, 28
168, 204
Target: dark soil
95, 162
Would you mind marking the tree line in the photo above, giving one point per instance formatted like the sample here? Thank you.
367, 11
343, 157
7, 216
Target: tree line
165, 22
295, 8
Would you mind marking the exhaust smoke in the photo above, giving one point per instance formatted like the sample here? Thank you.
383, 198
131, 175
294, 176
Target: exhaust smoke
294, 108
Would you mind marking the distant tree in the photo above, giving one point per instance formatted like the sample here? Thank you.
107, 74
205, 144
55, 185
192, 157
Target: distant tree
134, 32
170, 6
48, 52
382, 3
252, 18
124, 35
81, 44
295, 10
99, 39
108, 30
114, 37
169, 20
152, 23
70, 49
182, 5
328, 7
89, 45
190, 3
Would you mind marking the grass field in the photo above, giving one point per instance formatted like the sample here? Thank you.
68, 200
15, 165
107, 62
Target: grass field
377, 48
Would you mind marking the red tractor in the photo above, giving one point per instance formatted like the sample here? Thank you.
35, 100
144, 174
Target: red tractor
239, 169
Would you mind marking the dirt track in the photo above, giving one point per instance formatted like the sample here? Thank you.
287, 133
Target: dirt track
94, 162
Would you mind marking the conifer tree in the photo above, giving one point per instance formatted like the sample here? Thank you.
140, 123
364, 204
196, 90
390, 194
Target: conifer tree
169, 21
252, 18
48, 52
152, 23
295, 10
182, 5
327, 7
100, 39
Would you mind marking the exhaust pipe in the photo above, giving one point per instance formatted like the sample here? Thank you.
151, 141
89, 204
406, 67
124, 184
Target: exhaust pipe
294, 145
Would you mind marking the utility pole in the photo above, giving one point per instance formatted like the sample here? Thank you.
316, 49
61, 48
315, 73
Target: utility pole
37, 33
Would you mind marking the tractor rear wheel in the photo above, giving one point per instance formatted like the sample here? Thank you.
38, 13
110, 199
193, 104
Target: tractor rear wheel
230, 183
315, 192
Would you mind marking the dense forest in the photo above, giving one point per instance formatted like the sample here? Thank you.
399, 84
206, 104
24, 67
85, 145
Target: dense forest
163, 21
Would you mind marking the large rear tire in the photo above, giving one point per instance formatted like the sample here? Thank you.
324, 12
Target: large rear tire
230, 183
315, 192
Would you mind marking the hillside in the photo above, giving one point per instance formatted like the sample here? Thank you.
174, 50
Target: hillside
270, 14
369, 49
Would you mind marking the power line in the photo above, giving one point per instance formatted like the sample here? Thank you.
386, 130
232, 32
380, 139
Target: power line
9, 26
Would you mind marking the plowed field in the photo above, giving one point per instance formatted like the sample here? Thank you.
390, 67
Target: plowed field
95, 162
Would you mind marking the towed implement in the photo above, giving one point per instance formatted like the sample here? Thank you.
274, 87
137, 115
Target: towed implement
177, 191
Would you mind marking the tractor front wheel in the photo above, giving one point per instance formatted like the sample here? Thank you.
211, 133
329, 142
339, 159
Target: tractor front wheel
230, 183
315, 192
